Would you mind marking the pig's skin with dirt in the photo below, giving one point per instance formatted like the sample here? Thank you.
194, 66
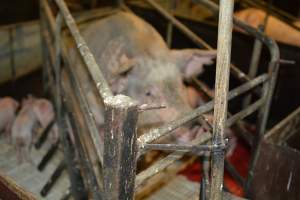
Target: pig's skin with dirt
276, 29
137, 62
8, 107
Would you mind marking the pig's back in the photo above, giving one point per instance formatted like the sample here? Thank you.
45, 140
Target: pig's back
137, 35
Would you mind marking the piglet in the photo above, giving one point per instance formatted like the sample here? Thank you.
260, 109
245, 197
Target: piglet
44, 111
8, 107
34, 112
22, 132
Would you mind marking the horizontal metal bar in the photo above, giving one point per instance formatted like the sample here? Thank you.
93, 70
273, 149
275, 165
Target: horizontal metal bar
165, 162
184, 147
244, 113
281, 130
85, 52
167, 128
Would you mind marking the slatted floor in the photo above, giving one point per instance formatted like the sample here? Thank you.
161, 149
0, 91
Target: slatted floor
27, 176
182, 189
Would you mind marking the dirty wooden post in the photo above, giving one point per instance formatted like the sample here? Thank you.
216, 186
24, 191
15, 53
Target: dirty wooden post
221, 96
120, 149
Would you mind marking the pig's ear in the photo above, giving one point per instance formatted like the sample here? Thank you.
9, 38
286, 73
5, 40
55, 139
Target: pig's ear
191, 61
126, 64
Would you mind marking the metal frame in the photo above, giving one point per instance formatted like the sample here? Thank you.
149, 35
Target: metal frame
121, 145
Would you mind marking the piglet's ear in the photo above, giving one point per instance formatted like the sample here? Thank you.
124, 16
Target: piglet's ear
191, 61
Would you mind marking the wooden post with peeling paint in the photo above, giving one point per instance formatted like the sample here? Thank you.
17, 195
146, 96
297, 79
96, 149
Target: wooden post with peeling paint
120, 149
221, 96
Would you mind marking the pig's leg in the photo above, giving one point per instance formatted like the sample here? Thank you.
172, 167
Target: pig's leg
19, 154
8, 132
27, 155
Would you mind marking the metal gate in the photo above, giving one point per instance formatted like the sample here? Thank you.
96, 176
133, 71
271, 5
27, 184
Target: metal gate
109, 169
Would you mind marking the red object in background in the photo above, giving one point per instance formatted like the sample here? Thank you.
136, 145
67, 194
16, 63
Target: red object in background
239, 159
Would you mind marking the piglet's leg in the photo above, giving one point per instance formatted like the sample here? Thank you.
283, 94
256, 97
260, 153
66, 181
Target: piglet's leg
8, 132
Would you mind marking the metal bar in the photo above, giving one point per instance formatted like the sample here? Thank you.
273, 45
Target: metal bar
87, 169
195, 38
246, 112
53, 148
86, 54
89, 119
165, 129
284, 127
205, 169
169, 35
234, 173
243, 132
69, 155
183, 147
44, 49
52, 180
120, 149
92, 183
270, 43
256, 54
85, 163
268, 91
12, 56
221, 96
254, 64
165, 162
43, 135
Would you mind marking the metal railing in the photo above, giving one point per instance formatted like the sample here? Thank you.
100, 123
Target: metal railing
121, 145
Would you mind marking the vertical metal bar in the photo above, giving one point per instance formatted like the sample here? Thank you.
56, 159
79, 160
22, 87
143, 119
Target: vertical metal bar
172, 7
85, 52
205, 175
221, 95
78, 192
268, 90
120, 147
256, 53
44, 48
12, 55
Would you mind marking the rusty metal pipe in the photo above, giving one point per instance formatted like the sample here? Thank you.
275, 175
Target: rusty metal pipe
165, 129
85, 52
221, 96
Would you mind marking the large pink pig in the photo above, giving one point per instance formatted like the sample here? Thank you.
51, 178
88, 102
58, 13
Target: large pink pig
275, 28
137, 62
